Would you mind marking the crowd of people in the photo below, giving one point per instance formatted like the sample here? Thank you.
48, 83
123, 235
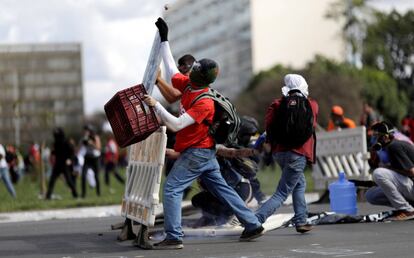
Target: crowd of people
65, 157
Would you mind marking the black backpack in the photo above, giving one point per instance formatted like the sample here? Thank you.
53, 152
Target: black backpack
292, 124
226, 122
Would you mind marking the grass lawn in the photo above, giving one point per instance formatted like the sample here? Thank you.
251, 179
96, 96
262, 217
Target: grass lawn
269, 178
28, 195
28, 192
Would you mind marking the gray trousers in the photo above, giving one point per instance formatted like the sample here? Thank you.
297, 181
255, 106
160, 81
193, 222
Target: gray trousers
393, 190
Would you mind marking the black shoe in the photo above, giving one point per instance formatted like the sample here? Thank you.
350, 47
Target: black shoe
251, 234
168, 244
304, 228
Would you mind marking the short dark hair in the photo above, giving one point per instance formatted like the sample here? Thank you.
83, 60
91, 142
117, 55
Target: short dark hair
186, 61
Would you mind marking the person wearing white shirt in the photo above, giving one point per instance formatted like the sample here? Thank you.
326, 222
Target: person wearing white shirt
4, 172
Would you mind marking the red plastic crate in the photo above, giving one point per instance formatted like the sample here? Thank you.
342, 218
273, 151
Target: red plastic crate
131, 120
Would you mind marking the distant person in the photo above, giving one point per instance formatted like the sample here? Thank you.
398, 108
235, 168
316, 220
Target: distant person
45, 156
92, 144
62, 154
338, 121
12, 162
369, 116
33, 159
4, 172
408, 126
111, 156
393, 176
290, 124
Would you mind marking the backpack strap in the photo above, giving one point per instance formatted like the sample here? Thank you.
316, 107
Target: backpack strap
203, 95
187, 88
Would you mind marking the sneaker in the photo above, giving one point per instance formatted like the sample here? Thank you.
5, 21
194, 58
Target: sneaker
401, 215
304, 228
168, 244
251, 234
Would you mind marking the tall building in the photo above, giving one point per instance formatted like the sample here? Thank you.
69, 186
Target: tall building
41, 88
219, 30
247, 36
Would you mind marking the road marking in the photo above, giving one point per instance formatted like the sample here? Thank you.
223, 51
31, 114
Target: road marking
331, 251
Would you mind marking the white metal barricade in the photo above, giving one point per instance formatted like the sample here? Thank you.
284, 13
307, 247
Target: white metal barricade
146, 161
337, 151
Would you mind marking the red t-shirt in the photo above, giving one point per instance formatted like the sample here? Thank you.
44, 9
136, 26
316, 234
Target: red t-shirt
307, 149
195, 135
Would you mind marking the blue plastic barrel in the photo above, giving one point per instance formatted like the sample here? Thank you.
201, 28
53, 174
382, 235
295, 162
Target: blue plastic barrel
342, 196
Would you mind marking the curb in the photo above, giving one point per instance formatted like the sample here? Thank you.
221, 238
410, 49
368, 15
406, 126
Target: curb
72, 213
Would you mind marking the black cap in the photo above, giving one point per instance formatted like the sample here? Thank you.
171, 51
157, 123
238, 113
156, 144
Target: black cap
383, 128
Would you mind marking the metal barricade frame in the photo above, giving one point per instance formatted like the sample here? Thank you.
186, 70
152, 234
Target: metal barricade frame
336, 151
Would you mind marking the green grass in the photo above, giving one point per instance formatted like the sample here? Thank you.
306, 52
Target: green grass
28, 192
28, 195
269, 178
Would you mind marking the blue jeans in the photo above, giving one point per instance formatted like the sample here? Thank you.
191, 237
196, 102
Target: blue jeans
5, 176
292, 181
191, 164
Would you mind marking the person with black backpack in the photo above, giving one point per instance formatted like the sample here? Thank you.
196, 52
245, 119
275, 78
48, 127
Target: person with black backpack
290, 124
196, 146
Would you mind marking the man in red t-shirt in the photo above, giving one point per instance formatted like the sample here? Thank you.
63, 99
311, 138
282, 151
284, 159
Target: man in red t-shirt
292, 160
196, 147
111, 157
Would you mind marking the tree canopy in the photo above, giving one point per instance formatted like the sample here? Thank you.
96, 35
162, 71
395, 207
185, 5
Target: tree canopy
389, 47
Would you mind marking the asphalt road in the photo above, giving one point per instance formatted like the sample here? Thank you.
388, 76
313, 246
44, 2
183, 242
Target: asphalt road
94, 238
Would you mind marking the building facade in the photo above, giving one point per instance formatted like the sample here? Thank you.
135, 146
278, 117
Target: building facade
41, 88
219, 30
247, 36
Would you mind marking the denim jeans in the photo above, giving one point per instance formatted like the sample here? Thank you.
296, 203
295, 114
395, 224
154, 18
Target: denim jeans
292, 181
5, 176
191, 164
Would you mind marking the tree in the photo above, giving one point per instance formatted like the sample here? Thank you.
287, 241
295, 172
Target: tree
355, 15
389, 46
381, 91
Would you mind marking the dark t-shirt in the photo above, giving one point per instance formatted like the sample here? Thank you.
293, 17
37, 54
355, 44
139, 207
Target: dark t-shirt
401, 154
63, 150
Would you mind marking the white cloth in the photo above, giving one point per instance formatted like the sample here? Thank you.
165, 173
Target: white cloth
90, 177
295, 82
81, 155
173, 123
169, 63
3, 162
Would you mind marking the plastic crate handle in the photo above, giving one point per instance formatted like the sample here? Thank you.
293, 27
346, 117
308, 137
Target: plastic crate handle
141, 103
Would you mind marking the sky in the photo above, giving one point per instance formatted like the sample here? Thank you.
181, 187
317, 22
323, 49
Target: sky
116, 36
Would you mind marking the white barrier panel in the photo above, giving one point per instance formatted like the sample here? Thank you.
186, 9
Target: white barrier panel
153, 64
146, 160
337, 151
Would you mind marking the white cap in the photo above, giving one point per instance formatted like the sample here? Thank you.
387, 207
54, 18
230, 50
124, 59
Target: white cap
295, 82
